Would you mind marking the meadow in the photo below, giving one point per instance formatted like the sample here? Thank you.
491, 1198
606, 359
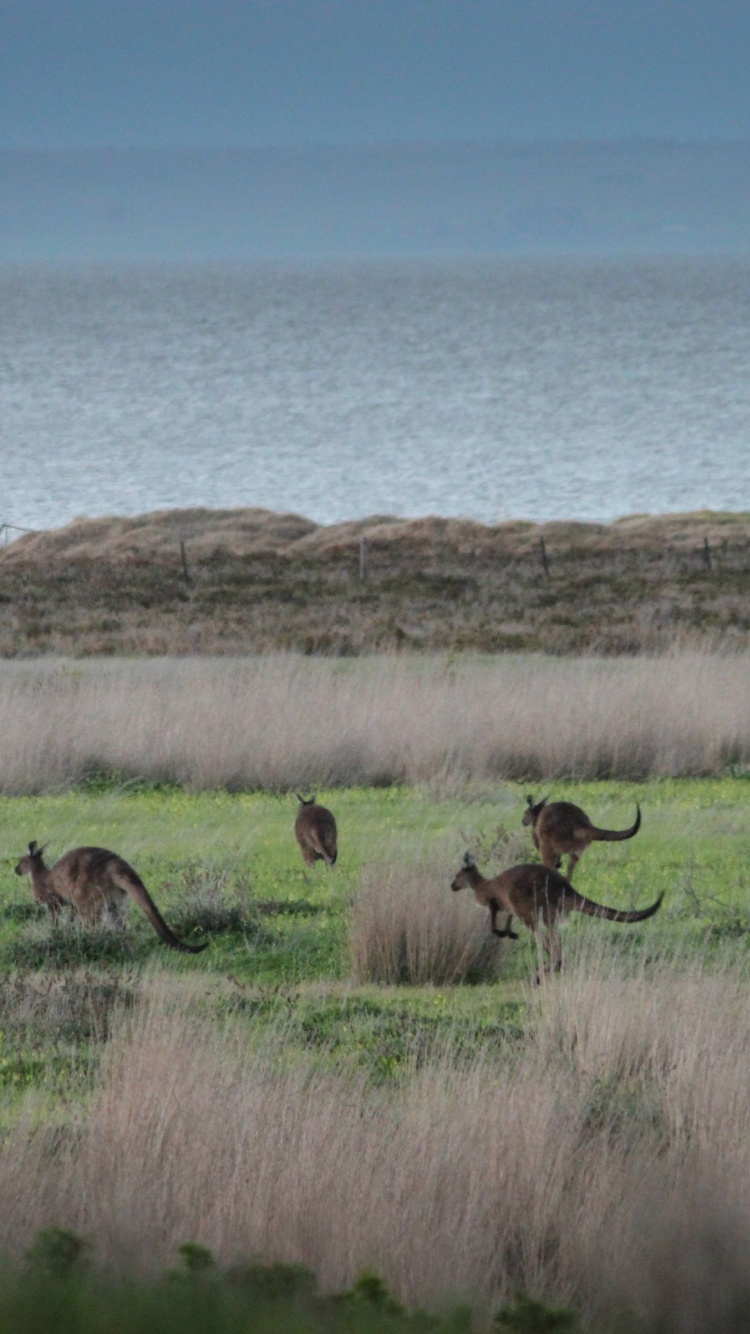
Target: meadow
467, 1140
356, 1108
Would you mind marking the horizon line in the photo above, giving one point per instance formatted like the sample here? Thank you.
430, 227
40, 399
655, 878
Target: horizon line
495, 141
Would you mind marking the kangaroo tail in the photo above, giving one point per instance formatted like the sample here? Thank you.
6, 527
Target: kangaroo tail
327, 849
329, 846
592, 909
615, 835
134, 886
326, 839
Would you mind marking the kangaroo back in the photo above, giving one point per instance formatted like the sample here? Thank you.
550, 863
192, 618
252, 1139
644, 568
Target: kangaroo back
128, 879
316, 833
616, 835
325, 829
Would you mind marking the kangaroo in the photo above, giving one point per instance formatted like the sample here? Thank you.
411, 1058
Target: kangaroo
562, 827
96, 885
536, 893
315, 831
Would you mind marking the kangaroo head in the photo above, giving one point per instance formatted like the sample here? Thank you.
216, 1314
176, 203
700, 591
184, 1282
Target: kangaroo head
531, 814
466, 874
305, 801
32, 860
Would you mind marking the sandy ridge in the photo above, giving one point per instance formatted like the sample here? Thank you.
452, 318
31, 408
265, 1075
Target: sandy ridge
241, 532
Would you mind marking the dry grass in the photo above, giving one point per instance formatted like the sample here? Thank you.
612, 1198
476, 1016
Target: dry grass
291, 722
604, 1163
259, 582
212, 900
404, 928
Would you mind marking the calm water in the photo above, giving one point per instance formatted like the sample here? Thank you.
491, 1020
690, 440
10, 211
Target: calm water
490, 390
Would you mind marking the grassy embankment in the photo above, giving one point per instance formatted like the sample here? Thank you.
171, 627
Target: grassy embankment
263, 582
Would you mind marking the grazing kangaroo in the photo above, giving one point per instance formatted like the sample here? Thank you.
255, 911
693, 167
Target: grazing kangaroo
562, 827
96, 884
315, 831
537, 893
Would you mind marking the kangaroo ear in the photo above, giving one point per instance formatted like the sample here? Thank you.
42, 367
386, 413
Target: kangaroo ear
32, 846
544, 800
468, 860
529, 799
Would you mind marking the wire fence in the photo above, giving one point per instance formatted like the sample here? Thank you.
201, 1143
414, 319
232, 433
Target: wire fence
6, 529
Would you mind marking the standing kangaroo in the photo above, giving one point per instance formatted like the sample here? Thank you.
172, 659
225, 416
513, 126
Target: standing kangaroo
315, 831
96, 884
562, 827
537, 893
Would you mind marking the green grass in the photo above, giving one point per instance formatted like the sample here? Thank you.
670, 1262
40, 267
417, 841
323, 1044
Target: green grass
289, 923
278, 932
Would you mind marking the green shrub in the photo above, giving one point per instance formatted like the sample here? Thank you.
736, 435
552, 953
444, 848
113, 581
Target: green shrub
526, 1316
59, 1290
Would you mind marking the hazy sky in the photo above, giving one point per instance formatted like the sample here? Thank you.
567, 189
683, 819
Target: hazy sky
75, 73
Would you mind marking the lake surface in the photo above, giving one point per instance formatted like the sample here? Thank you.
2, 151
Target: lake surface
495, 390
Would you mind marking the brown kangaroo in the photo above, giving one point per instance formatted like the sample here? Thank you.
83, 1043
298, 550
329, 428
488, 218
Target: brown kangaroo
537, 893
315, 831
96, 884
562, 827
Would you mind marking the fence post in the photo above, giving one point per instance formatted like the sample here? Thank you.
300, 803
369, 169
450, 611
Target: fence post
543, 553
364, 559
183, 557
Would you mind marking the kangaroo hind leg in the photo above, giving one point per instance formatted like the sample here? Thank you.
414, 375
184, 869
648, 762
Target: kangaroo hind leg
494, 910
553, 945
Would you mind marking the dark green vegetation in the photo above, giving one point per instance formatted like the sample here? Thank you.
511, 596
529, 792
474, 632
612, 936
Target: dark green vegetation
253, 582
56, 1290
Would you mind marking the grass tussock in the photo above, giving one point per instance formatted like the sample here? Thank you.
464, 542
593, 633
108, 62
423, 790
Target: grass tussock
53, 1028
604, 1163
74, 1006
69, 943
246, 724
212, 900
405, 927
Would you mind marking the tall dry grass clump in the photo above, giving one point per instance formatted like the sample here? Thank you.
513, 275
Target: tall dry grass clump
245, 723
405, 927
605, 1162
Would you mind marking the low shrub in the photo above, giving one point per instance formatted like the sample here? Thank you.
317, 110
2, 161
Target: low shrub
214, 901
407, 927
70, 944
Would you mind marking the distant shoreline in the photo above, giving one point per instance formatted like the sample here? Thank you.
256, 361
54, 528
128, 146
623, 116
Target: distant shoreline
410, 200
